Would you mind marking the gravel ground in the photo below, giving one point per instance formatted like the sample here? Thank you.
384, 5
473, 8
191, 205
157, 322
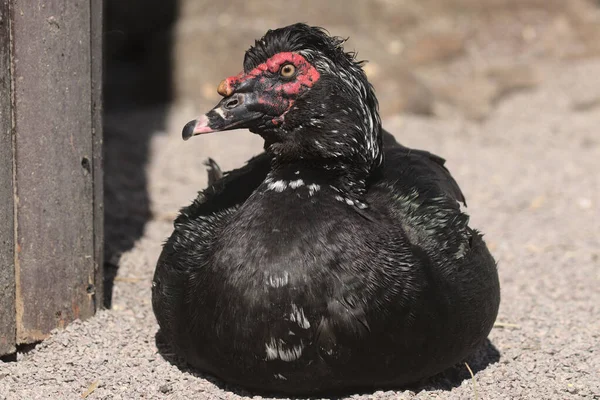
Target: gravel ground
531, 176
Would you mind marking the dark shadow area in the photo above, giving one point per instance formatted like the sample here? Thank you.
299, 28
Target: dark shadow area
165, 350
21, 349
451, 378
137, 75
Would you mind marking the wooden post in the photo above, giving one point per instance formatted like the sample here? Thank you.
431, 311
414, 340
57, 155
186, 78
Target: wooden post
7, 245
56, 137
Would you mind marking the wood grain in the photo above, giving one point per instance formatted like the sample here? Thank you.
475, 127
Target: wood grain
7, 265
55, 266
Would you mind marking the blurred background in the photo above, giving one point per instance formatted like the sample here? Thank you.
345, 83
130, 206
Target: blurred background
430, 57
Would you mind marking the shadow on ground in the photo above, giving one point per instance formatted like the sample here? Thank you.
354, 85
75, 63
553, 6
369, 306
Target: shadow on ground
451, 378
137, 75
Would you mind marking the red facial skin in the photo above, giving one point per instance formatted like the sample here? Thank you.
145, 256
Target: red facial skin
281, 94
306, 74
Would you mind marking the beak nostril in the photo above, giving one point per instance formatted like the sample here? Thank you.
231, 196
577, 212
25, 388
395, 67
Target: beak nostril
231, 104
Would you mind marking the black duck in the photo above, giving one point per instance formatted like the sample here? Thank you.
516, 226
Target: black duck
332, 261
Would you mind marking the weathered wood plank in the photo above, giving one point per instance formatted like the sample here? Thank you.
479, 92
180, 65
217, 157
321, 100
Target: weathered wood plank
96, 12
54, 162
7, 265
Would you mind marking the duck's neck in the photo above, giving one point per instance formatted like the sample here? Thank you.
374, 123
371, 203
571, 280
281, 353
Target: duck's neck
346, 182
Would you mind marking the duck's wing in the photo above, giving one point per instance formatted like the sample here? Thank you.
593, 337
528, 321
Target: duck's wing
425, 199
228, 189
425, 166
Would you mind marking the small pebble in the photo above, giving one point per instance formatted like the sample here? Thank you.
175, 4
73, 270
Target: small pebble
165, 389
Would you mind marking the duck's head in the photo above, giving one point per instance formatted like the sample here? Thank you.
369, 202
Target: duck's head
306, 96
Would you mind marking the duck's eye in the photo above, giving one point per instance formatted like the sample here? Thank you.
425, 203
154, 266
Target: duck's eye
287, 71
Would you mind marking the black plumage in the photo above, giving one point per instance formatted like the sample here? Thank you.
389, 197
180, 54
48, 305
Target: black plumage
337, 259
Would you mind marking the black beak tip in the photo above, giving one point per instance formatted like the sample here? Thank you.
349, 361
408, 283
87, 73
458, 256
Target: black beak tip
188, 130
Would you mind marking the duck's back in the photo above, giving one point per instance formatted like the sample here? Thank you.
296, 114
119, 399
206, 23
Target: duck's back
309, 296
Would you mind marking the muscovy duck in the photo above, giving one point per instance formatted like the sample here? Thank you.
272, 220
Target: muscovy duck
332, 261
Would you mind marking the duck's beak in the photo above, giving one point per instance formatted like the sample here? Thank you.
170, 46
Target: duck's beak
233, 112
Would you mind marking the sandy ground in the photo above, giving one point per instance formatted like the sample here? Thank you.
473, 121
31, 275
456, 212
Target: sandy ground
531, 176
